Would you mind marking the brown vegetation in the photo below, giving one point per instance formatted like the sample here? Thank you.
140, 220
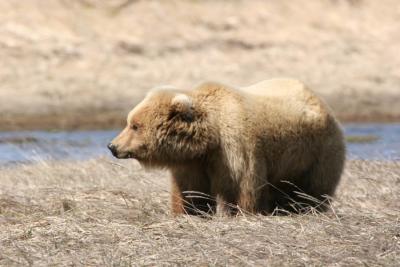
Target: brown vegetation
105, 213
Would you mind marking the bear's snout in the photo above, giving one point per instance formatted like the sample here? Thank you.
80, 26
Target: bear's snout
118, 153
113, 149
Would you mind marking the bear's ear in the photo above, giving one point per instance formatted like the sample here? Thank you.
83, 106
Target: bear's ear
181, 108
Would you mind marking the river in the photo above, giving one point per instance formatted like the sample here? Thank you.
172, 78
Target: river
364, 141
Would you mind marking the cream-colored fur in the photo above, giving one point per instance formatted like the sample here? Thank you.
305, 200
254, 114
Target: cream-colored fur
271, 145
299, 100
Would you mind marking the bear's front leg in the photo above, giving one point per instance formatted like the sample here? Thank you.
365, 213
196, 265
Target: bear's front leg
191, 191
176, 199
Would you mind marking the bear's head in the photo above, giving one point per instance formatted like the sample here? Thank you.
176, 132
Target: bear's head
166, 128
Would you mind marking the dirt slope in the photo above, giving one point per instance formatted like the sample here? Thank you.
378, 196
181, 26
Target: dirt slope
83, 64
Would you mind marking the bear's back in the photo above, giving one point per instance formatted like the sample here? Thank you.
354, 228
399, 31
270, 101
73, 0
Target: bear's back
278, 87
290, 96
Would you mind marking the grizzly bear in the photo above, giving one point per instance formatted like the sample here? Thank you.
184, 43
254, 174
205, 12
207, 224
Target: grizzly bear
268, 148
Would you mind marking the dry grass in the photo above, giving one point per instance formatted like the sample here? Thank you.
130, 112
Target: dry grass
84, 63
108, 213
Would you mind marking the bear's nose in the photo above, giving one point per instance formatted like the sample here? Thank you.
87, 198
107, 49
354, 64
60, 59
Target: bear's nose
112, 148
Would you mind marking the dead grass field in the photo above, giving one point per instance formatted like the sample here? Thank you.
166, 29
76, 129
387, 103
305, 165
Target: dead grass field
85, 63
82, 64
107, 213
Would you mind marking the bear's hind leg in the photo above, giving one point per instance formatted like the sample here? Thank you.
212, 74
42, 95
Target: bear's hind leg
312, 189
324, 177
319, 182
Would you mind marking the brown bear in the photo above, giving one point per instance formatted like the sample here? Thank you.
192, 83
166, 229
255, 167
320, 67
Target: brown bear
274, 146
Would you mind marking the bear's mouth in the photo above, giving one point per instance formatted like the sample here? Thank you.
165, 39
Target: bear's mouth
125, 155
130, 155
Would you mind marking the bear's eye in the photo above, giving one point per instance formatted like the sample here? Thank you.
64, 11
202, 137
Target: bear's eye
135, 127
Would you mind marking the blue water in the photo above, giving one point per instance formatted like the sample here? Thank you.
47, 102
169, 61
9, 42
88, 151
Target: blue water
387, 147
75, 145
81, 145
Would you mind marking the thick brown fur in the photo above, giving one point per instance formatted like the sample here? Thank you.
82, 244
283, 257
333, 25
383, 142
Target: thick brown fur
271, 146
